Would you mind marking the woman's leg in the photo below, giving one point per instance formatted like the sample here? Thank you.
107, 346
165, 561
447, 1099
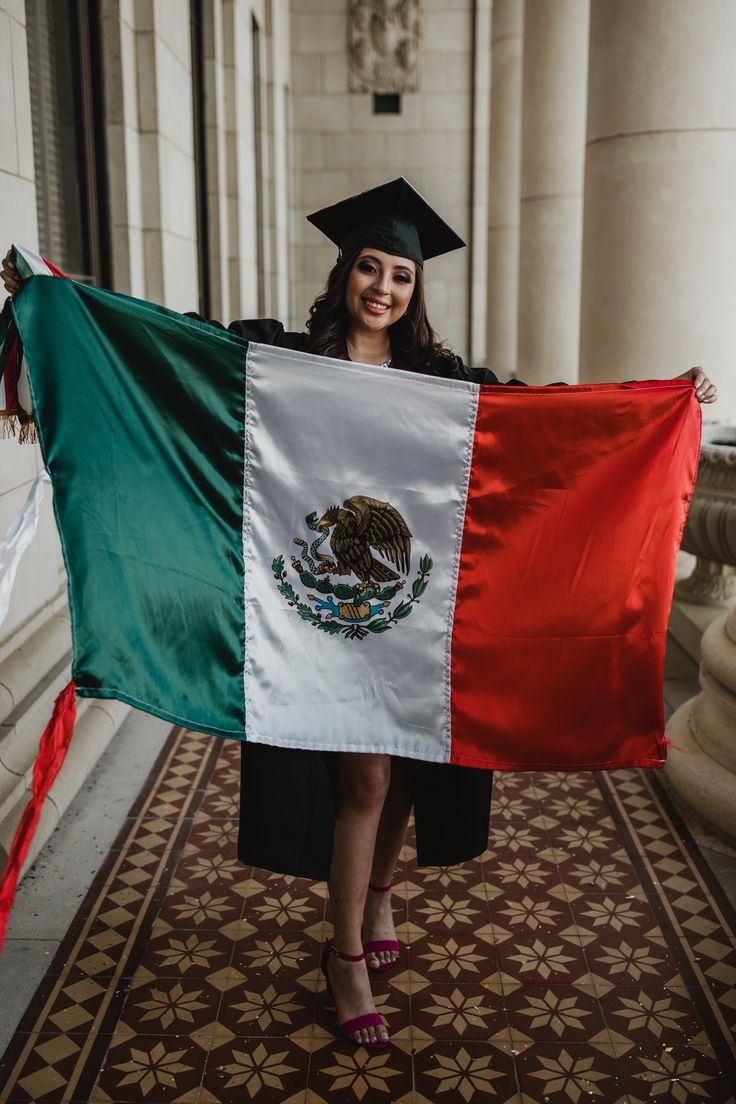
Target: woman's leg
363, 785
378, 921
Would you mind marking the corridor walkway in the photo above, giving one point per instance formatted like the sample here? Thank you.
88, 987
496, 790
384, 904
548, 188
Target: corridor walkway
589, 953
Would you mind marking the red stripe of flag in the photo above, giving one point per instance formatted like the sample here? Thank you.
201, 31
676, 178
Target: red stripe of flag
565, 605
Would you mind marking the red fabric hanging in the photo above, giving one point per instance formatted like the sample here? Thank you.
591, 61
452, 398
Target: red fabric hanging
52, 752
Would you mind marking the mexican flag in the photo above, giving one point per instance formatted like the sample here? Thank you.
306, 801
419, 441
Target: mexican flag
274, 546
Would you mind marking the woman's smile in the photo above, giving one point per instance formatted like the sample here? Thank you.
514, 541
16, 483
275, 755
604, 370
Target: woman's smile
375, 306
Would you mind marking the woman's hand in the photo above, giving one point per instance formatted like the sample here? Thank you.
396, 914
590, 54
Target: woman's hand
705, 391
10, 274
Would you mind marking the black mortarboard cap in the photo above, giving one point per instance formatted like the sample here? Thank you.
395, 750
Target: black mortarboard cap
392, 217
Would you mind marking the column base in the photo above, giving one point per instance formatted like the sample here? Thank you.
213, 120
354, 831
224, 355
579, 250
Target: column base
704, 784
688, 621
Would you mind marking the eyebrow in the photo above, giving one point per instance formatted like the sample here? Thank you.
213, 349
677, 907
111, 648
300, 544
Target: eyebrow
370, 257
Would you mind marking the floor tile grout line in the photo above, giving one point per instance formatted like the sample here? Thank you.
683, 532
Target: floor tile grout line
711, 1017
80, 920
704, 874
312, 1059
87, 1077
211, 764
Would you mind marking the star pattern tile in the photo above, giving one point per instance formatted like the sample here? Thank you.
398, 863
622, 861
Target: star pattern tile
586, 955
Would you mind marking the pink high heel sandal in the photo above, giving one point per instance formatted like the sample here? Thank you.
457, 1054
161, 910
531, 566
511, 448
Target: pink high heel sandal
371, 1019
376, 945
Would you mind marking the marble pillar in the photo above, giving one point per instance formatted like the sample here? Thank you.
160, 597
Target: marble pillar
659, 263
507, 39
555, 76
701, 761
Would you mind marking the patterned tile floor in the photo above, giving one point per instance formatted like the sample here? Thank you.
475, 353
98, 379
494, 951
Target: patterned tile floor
588, 954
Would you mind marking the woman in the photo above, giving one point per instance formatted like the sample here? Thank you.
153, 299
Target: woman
343, 816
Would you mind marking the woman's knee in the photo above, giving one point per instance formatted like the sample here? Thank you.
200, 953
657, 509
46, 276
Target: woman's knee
364, 779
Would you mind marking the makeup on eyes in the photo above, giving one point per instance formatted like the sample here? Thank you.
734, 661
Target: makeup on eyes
369, 266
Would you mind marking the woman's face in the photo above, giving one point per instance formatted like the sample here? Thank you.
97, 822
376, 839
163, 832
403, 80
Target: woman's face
379, 288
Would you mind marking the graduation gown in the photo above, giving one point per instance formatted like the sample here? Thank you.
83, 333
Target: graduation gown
288, 796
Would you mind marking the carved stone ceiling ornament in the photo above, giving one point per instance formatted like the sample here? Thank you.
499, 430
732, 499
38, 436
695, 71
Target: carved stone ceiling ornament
383, 45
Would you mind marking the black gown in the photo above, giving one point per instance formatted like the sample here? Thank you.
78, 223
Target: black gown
288, 795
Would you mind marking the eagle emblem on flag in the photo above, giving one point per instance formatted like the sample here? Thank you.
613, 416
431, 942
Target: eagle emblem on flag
359, 528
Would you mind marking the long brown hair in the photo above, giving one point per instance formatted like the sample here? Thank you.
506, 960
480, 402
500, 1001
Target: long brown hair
413, 341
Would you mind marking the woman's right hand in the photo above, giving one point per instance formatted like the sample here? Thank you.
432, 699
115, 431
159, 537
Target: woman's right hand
10, 276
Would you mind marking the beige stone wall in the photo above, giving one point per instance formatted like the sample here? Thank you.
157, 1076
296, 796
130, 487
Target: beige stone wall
40, 580
340, 147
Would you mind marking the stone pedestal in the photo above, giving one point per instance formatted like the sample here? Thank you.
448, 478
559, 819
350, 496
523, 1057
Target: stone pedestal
701, 761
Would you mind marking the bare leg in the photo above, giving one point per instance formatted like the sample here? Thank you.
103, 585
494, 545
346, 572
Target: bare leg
378, 921
364, 782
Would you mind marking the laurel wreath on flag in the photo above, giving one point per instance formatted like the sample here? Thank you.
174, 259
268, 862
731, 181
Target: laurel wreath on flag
346, 592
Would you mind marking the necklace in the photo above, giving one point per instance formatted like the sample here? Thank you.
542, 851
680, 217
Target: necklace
386, 364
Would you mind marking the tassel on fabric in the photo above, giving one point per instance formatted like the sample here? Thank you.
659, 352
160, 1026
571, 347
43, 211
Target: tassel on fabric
28, 433
51, 754
16, 417
8, 426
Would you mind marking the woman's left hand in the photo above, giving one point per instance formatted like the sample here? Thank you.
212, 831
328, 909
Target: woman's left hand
705, 391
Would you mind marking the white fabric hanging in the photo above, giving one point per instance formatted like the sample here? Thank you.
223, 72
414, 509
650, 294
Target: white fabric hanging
19, 535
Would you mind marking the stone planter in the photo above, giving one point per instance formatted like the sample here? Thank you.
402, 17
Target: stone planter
710, 533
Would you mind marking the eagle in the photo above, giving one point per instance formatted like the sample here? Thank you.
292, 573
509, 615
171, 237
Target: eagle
363, 524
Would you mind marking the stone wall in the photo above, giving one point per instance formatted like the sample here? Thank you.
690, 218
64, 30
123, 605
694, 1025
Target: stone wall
341, 147
35, 640
147, 69
40, 582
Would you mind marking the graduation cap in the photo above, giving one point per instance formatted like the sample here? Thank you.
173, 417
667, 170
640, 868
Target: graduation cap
392, 217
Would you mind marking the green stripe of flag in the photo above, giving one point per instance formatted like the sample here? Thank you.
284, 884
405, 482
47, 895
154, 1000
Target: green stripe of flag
140, 414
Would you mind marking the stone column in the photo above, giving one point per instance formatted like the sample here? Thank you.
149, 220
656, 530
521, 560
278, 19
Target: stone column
480, 162
555, 76
659, 264
504, 181
701, 762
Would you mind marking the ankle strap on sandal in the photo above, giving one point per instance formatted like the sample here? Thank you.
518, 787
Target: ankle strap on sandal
341, 954
380, 889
